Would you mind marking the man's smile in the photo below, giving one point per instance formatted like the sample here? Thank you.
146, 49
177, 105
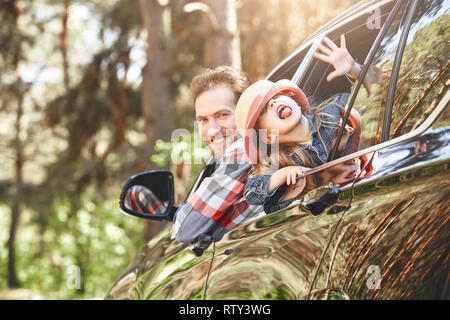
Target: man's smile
218, 140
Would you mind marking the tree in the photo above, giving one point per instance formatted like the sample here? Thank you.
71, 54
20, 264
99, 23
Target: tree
222, 43
11, 56
155, 79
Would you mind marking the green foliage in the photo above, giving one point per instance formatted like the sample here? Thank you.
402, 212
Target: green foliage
423, 73
188, 148
96, 238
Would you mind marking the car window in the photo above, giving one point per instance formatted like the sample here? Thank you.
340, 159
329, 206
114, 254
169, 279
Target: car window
424, 71
287, 69
371, 107
360, 34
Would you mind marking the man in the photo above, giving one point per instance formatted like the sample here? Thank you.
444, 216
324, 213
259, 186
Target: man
218, 204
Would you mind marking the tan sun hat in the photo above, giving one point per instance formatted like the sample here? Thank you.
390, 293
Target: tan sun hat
252, 102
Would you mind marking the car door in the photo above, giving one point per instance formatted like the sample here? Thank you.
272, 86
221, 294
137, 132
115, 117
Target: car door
278, 256
292, 254
392, 242
165, 268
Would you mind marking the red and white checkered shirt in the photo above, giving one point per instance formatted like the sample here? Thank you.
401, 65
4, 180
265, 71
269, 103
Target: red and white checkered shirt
218, 205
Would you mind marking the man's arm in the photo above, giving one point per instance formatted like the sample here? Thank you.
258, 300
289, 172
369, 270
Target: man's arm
217, 205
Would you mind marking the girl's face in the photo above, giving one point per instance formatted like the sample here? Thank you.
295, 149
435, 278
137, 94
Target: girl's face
283, 119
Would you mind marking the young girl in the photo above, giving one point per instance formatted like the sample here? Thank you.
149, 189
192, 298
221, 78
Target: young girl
279, 114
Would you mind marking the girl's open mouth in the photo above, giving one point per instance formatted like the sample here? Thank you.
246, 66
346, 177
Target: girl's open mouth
284, 112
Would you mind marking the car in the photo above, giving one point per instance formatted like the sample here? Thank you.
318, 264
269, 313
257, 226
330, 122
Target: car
383, 234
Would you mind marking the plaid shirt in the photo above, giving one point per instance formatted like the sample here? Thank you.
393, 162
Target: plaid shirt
218, 205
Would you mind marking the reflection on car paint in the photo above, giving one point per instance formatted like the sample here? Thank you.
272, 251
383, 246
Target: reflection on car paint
391, 243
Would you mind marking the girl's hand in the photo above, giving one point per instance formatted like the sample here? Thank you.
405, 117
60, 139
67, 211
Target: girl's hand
376, 74
288, 175
296, 181
339, 58
295, 176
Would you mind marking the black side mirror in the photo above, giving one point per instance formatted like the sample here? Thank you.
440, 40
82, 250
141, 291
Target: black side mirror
149, 195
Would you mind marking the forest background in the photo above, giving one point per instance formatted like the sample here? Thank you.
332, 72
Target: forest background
90, 93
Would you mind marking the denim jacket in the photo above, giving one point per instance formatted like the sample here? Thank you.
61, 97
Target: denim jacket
323, 130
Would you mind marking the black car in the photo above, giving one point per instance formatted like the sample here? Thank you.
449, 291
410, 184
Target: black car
383, 234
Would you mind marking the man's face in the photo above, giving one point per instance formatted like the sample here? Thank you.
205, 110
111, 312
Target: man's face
214, 112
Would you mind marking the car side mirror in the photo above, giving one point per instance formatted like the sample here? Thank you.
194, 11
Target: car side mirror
317, 200
149, 195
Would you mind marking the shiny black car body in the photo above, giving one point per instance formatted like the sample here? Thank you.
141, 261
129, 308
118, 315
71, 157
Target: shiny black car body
387, 234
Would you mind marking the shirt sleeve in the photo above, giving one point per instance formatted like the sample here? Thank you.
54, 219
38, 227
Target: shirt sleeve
256, 193
217, 205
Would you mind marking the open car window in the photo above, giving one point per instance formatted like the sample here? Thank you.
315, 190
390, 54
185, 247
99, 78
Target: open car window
360, 34
421, 84
371, 106
360, 38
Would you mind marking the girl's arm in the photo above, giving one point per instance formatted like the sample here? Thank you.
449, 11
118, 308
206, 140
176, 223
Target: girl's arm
291, 175
344, 64
262, 189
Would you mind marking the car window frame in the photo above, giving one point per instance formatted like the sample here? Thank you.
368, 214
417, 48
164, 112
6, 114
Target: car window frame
396, 69
410, 10
311, 43
365, 67
352, 13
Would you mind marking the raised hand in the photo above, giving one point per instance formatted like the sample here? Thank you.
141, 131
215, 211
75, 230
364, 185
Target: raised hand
376, 74
338, 57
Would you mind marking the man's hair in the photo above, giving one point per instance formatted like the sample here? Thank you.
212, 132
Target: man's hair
222, 75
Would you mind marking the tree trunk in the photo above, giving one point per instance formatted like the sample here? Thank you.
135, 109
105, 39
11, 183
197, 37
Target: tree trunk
63, 43
222, 44
13, 281
16, 206
155, 82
